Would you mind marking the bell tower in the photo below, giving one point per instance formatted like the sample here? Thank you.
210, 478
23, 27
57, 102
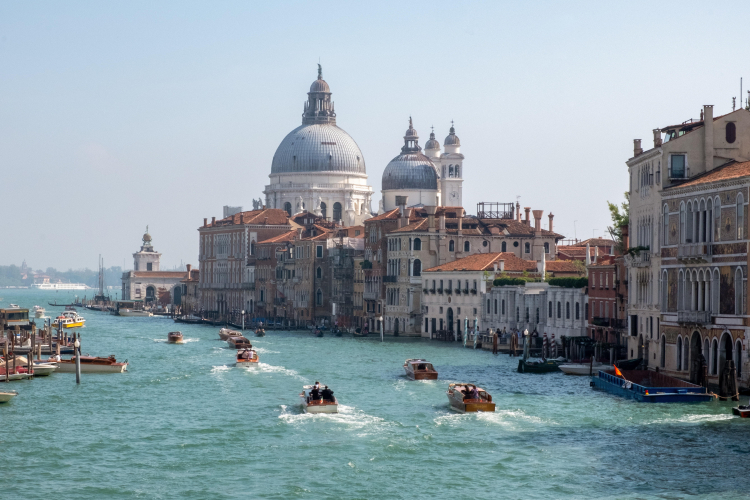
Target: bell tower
147, 259
452, 170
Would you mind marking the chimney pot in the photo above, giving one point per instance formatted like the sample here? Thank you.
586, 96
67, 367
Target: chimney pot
551, 216
537, 220
205, 222
637, 149
657, 137
213, 220
188, 266
527, 210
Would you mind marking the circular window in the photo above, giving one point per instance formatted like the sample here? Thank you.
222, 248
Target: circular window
515, 243
484, 243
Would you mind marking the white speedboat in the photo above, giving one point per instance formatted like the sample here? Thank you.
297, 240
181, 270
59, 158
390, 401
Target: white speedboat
90, 364
317, 405
225, 333
44, 369
134, 312
39, 312
584, 368
6, 396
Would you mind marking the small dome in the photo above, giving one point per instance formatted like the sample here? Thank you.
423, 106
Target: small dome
147, 237
320, 85
411, 133
432, 143
452, 139
410, 171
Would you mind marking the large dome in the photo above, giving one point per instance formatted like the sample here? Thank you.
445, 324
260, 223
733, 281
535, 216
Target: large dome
410, 171
318, 148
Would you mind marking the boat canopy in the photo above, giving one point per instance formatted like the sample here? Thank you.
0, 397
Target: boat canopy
415, 361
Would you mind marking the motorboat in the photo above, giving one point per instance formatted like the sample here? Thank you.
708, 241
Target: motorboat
459, 396
247, 358
91, 364
260, 332
584, 368
175, 338
539, 365
239, 342
42, 369
6, 396
69, 319
420, 369
134, 312
742, 411
317, 405
225, 333
19, 373
39, 311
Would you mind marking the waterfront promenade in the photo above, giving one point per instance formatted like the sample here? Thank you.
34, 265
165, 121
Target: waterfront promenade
185, 423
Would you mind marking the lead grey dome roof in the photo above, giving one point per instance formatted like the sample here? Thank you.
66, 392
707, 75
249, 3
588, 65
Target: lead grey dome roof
410, 171
452, 139
318, 148
432, 143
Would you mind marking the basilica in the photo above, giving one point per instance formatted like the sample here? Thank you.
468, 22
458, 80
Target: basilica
319, 168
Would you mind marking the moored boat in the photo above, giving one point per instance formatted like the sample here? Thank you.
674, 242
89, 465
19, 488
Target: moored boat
6, 396
91, 364
175, 338
468, 398
225, 333
316, 401
247, 358
742, 411
538, 365
420, 369
648, 386
134, 312
238, 342
584, 368
44, 369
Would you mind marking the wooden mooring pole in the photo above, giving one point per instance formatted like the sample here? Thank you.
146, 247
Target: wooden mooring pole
77, 345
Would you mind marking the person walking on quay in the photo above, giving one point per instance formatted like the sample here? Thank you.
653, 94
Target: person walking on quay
494, 342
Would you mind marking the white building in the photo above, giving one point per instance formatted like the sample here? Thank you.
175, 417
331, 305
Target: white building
146, 281
318, 166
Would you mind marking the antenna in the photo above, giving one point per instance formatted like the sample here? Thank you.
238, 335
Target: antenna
575, 232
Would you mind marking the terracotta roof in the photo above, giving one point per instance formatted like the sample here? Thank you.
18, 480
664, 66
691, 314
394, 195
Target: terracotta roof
390, 215
595, 242
420, 225
266, 216
160, 274
731, 170
485, 261
288, 236
561, 266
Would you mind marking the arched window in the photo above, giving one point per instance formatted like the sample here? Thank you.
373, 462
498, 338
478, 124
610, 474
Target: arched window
740, 217
488, 306
467, 247
456, 172
549, 313
451, 246
665, 291
502, 304
586, 310
318, 273
689, 223
319, 297
546, 247
323, 210
337, 211
567, 310
288, 208
527, 247
559, 309
518, 314
715, 357
682, 222
738, 287
717, 219
417, 268
450, 170
503, 247
578, 310
709, 220
495, 306
665, 223
679, 354
417, 244
738, 358
731, 132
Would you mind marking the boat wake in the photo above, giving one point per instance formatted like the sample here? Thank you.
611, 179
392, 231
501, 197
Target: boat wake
266, 368
348, 416
190, 340
692, 419
220, 369
263, 350
504, 418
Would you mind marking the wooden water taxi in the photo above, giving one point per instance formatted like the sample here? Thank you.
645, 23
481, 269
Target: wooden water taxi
91, 364
225, 333
647, 386
247, 358
239, 342
460, 398
6, 396
419, 369
538, 365
319, 404
742, 411
175, 338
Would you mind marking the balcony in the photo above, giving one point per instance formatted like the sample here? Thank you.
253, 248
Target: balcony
695, 252
695, 317
370, 295
390, 279
600, 321
458, 291
641, 259
248, 286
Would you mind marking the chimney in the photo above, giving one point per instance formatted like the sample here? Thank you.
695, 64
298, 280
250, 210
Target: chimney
431, 218
502, 266
213, 221
299, 233
596, 254
401, 202
205, 222
527, 210
538, 220
551, 216
189, 267
657, 137
518, 212
588, 254
708, 136
442, 223
494, 267
637, 149
460, 215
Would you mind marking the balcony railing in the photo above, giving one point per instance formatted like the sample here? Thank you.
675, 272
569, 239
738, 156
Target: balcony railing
694, 251
699, 317
641, 259
370, 295
390, 279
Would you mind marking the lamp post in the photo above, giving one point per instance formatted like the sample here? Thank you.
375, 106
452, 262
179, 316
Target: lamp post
243, 319
77, 345
381, 328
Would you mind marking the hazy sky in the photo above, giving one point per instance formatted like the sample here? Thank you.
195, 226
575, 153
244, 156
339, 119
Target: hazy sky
118, 115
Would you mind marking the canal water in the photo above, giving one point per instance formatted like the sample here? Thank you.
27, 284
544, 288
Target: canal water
183, 422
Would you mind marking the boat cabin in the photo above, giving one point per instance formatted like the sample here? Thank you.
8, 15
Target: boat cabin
133, 305
13, 316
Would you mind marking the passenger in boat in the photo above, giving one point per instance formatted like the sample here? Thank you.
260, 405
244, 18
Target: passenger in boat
327, 394
421, 367
474, 393
314, 394
316, 385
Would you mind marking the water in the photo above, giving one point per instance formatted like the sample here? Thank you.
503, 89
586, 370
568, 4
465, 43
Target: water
185, 423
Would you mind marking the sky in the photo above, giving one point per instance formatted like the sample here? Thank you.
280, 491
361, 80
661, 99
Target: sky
119, 115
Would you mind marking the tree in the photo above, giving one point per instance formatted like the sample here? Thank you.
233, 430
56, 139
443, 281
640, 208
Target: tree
620, 218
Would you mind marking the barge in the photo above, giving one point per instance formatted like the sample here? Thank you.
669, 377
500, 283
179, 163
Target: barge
650, 387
